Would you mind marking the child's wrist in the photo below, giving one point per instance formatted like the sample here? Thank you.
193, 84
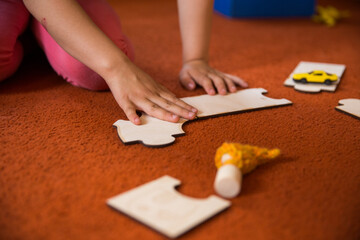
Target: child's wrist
195, 60
115, 69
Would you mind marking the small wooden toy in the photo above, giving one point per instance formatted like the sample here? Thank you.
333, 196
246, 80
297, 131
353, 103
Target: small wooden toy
157, 133
350, 106
158, 205
307, 67
233, 160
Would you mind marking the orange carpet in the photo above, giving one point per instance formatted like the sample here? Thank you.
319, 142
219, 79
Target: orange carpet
61, 158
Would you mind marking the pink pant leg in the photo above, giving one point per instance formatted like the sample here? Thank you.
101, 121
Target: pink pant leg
68, 67
13, 21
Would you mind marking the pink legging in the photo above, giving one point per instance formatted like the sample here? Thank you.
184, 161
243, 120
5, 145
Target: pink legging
14, 18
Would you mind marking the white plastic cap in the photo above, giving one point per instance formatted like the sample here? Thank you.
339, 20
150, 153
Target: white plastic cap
228, 181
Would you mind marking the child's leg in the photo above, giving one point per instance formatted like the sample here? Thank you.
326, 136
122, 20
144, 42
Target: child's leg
13, 20
68, 67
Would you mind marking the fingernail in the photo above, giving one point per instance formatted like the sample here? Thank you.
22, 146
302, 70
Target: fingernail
191, 114
211, 91
233, 89
191, 85
194, 110
174, 116
223, 91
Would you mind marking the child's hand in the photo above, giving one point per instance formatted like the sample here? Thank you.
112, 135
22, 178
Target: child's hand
133, 89
199, 72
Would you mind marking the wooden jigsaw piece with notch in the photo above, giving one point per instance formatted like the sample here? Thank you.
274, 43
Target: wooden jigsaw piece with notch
158, 205
350, 106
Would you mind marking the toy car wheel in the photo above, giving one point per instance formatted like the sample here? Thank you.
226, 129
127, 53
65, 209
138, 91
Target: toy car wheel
328, 82
303, 80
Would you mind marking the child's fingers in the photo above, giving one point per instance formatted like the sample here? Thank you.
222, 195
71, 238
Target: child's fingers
237, 80
156, 111
208, 86
173, 108
130, 112
187, 82
172, 98
204, 81
230, 85
219, 83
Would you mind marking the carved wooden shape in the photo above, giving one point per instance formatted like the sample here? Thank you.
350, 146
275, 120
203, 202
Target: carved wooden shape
304, 67
156, 133
158, 205
350, 106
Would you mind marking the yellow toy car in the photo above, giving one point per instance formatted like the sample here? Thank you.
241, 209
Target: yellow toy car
316, 76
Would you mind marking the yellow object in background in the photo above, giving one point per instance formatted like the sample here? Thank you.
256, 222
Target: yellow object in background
245, 157
329, 15
233, 160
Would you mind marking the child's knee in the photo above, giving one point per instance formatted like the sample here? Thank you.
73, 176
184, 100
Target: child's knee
72, 70
77, 74
91, 81
10, 58
14, 18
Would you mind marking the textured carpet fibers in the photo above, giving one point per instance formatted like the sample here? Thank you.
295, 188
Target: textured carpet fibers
61, 159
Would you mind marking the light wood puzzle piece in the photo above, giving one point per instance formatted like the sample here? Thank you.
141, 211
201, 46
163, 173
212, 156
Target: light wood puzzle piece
304, 67
350, 106
156, 133
158, 205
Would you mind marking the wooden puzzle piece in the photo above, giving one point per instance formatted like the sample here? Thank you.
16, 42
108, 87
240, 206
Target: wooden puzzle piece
304, 67
156, 133
158, 205
350, 106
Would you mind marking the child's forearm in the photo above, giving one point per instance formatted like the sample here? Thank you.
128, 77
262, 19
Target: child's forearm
75, 32
195, 25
